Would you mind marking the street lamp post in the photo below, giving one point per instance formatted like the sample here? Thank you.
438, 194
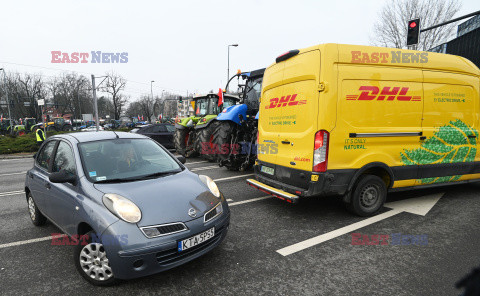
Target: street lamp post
228, 60
8, 102
151, 90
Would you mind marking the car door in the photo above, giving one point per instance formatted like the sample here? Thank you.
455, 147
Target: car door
169, 136
62, 198
161, 135
39, 175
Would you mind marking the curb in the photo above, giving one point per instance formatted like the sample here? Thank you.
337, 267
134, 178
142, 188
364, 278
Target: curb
16, 156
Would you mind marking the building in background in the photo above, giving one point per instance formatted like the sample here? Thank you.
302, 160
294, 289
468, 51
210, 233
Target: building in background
467, 42
185, 108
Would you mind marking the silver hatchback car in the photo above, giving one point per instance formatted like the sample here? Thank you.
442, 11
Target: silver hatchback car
131, 208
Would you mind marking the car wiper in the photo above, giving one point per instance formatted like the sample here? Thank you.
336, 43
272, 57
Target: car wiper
139, 178
116, 180
158, 174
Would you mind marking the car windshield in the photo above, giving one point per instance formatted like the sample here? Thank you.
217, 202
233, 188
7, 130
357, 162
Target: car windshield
123, 160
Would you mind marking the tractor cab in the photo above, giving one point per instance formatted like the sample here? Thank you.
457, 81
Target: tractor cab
208, 104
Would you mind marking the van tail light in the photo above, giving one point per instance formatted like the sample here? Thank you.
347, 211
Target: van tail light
320, 152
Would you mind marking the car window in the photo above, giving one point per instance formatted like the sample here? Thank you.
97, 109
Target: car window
170, 128
159, 129
147, 129
64, 159
46, 155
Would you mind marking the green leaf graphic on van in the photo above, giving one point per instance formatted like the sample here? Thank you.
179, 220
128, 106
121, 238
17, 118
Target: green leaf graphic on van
449, 144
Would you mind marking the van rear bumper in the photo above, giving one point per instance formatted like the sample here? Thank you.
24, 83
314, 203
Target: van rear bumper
301, 183
291, 198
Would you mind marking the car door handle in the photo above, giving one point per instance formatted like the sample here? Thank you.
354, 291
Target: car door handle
285, 142
48, 186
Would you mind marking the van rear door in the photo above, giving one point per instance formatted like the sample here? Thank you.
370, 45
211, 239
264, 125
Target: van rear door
296, 109
267, 125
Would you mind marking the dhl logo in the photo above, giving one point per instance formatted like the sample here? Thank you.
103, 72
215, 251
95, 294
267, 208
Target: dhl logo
284, 101
370, 93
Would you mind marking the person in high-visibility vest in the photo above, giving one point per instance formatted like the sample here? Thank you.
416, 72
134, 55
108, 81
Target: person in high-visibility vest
40, 136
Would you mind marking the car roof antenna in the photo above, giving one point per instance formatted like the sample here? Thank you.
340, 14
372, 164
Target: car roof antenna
116, 135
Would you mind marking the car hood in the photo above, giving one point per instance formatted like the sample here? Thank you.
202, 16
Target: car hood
166, 199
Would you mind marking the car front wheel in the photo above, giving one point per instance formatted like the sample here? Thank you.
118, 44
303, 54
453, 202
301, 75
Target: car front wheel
92, 262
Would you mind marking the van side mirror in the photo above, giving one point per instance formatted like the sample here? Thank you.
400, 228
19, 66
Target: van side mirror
182, 159
62, 177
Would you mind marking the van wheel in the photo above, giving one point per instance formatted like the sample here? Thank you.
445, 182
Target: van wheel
368, 196
92, 263
38, 219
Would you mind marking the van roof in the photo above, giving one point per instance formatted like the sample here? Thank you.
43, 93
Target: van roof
372, 55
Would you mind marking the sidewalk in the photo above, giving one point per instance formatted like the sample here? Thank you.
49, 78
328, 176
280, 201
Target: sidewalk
17, 155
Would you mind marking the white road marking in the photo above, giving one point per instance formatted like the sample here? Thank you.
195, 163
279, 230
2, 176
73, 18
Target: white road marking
229, 199
16, 159
249, 200
416, 205
203, 161
29, 241
234, 177
12, 193
11, 174
205, 168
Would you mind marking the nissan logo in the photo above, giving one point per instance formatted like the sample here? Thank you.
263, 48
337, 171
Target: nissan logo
192, 213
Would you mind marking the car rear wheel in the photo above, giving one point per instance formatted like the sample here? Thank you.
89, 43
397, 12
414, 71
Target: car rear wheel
38, 219
92, 262
368, 196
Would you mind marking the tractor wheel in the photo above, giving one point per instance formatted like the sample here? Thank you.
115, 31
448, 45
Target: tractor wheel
51, 128
67, 128
180, 139
222, 142
20, 133
204, 142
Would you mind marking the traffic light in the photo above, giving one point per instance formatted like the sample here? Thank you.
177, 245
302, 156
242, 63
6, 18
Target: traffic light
180, 99
413, 31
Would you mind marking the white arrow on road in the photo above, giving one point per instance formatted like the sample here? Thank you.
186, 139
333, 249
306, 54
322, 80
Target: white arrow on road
417, 205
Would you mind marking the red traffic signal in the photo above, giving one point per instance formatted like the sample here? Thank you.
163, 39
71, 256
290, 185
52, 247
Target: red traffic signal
413, 31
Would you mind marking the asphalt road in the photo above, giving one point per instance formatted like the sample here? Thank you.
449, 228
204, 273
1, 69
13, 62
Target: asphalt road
247, 262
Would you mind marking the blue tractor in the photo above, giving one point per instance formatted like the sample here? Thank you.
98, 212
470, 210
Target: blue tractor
235, 134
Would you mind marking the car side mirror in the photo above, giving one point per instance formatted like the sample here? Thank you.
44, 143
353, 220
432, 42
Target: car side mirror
182, 159
35, 155
62, 177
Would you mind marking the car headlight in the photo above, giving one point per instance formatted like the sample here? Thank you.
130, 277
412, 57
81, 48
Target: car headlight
210, 184
122, 207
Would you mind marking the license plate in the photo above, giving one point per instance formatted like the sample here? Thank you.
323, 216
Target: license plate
195, 240
267, 170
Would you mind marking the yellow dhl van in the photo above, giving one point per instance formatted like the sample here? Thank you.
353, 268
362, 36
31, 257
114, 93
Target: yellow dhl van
359, 121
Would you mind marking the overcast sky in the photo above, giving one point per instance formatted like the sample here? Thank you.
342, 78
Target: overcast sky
182, 45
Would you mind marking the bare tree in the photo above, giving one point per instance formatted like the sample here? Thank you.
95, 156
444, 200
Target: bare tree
390, 30
147, 104
114, 84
